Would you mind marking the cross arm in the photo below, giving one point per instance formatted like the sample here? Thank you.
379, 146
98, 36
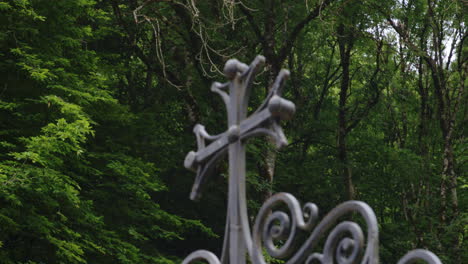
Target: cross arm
205, 158
278, 108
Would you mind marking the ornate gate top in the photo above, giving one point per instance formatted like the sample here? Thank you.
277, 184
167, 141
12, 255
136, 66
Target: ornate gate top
275, 232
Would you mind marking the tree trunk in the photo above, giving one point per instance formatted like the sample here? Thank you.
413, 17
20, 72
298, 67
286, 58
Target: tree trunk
345, 43
423, 133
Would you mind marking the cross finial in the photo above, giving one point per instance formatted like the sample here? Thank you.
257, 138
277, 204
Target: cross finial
265, 120
235, 94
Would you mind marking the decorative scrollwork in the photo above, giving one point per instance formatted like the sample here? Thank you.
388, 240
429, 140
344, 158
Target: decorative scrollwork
344, 243
281, 226
419, 254
346, 249
201, 255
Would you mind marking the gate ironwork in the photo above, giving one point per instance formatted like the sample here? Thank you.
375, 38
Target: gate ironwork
275, 231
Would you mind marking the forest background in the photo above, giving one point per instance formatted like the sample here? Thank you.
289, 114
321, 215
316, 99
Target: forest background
98, 100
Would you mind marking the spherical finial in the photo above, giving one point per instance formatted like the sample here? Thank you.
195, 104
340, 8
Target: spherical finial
261, 59
281, 108
286, 73
233, 66
189, 162
230, 68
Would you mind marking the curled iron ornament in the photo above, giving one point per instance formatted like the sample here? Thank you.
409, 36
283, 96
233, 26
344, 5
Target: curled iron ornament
276, 233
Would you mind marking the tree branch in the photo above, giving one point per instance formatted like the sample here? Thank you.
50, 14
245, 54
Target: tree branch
298, 28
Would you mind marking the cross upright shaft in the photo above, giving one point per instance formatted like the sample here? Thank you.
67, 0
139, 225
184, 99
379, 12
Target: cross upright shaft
237, 112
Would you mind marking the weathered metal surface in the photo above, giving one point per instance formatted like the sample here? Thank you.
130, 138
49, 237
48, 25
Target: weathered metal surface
276, 233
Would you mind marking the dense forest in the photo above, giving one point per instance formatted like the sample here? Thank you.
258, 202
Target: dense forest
98, 99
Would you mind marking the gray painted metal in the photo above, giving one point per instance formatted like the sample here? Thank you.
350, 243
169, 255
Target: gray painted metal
275, 232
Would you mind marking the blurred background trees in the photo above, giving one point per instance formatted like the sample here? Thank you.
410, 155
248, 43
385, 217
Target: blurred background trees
98, 100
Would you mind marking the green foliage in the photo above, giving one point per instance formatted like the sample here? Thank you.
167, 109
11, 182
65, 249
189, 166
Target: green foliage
67, 197
98, 100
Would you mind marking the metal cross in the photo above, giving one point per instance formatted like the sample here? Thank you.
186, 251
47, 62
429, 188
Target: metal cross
344, 243
265, 120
